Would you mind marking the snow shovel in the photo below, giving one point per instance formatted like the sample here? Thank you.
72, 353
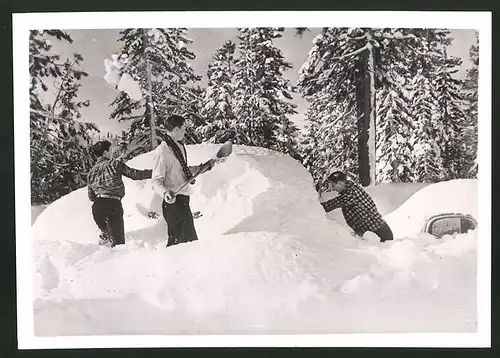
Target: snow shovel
224, 151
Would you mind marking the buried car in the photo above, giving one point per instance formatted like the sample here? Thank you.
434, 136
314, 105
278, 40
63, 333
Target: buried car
437, 210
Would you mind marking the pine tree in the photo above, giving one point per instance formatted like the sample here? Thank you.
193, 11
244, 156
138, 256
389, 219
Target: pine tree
192, 109
415, 99
218, 102
332, 114
427, 163
350, 66
449, 97
436, 109
60, 155
332, 102
262, 98
406, 132
394, 149
162, 54
471, 98
329, 144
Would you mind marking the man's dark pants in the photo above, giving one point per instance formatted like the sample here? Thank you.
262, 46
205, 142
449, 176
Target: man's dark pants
108, 215
179, 221
384, 232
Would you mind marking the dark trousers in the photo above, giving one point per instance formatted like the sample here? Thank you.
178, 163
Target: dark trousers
384, 232
108, 215
179, 221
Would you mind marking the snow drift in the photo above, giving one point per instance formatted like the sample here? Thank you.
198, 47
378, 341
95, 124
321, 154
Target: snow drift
268, 261
454, 196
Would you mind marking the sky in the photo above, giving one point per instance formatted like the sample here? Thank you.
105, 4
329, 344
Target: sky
96, 45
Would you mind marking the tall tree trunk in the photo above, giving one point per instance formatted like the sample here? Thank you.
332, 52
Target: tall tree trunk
366, 122
372, 159
250, 129
361, 119
152, 119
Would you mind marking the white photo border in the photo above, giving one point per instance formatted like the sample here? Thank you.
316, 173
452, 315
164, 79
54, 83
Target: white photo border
22, 23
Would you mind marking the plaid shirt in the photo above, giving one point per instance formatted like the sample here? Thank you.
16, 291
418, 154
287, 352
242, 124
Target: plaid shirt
106, 177
358, 208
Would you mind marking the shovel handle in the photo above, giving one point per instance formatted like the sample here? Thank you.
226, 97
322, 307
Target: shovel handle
203, 168
223, 152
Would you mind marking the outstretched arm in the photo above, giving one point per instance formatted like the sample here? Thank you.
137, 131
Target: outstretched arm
339, 201
131, 173
208, 166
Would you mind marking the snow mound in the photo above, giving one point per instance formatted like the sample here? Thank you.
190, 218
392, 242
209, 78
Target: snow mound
253, 190
268, 261
410, 264
454, 196
239, 272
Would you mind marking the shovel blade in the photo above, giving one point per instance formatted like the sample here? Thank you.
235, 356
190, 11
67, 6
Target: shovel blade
225, 150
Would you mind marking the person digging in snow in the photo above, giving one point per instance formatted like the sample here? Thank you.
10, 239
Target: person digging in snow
358, 208
106, 189
170, 171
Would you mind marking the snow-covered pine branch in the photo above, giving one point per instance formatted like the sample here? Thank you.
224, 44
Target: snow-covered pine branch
160, 55
258, 84
59, 143
351, 54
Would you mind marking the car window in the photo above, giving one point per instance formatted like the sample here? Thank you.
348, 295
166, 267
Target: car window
444, 226
466, 224
449, 224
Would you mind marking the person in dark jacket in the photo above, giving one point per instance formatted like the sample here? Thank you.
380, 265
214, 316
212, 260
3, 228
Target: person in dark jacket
358, 208
106, 189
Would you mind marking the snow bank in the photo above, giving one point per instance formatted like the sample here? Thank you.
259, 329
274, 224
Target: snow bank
239, 272
268, 261
68, 218
264, 283
254, 190
454, 196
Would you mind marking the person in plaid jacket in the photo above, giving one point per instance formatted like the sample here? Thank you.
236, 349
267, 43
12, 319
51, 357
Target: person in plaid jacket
106, 189
358, 208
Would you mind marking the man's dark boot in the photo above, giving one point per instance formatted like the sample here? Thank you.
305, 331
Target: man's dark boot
105, 239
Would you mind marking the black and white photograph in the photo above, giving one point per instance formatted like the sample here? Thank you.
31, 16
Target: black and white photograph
261, 178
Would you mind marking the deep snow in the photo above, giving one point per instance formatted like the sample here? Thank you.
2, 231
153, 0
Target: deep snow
268, 261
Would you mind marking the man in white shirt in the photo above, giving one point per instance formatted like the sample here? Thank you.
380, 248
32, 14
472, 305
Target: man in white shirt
170, 171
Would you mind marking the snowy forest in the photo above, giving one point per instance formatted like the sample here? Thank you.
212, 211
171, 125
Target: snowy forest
384, 105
